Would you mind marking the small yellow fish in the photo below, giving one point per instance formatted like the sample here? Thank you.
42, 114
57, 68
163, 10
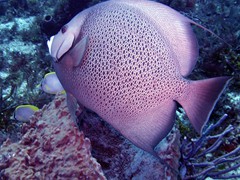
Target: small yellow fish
24, 112
51, 85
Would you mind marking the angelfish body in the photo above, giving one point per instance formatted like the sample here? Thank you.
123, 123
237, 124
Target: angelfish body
126, 60
24, 112
51, 84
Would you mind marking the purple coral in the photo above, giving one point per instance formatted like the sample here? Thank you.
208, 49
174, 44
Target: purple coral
195, 163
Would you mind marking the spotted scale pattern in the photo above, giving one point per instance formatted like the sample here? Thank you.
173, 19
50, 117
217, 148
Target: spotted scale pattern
128, 67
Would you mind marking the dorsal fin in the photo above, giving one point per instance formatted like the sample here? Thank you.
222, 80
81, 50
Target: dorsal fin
208, 30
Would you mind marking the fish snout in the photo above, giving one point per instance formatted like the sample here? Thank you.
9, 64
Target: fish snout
49, 44
60, 44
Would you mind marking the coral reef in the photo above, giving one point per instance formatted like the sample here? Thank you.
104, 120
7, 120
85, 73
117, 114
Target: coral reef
51, 148
202, 157
25, 26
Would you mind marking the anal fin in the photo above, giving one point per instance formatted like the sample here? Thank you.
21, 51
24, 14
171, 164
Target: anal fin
147, 129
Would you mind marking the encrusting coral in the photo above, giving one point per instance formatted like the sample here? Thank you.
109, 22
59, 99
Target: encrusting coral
51, 148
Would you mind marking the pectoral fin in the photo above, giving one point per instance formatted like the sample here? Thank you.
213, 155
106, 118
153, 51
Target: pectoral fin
77, 53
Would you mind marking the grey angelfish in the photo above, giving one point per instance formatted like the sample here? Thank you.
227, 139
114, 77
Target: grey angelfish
127, 60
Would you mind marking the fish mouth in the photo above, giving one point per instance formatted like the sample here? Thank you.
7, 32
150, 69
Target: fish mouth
58, 45
49, 44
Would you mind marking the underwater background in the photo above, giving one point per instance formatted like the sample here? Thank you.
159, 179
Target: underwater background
26, 25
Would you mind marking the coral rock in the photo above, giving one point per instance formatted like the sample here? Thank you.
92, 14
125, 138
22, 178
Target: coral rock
52, 147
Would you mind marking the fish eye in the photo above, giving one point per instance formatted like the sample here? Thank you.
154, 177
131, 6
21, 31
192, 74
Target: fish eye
64, 29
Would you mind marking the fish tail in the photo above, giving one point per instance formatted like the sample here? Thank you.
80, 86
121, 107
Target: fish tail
200, 99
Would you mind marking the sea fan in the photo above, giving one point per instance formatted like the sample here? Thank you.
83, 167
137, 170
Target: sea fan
201, 158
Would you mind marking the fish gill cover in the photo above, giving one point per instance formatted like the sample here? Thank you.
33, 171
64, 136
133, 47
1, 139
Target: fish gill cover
26, 24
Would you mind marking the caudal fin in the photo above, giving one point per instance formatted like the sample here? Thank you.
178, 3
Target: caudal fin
201, 99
